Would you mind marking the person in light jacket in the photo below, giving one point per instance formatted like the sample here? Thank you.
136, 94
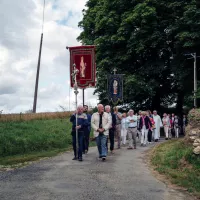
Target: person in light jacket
112, 128
101, 123
124, 128
158, 125
177, 126
166, 124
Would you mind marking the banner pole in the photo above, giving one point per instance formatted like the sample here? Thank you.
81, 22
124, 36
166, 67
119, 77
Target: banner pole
74, 74
83, 96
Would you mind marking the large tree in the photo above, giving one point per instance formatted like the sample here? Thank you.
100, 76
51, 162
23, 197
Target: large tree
145, 40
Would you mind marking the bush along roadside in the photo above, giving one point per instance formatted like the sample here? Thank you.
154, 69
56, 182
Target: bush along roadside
175, 159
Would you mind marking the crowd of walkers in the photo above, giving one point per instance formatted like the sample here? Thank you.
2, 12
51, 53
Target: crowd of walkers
116, 126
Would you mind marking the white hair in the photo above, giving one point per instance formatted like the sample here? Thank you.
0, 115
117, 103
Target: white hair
99, 105
80, 106
130, 111
107, 106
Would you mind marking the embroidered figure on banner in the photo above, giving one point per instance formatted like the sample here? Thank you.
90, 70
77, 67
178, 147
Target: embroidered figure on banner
83, 66
115, 87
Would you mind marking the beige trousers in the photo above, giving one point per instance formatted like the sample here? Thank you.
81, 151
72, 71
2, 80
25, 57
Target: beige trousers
132, 133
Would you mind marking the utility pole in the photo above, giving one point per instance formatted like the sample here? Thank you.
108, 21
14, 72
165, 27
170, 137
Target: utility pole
195, 80
194, 56
37, 76
38, 66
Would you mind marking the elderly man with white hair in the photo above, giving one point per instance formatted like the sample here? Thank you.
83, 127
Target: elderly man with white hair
132, 129
158, 125
82, 122
112, 128
101, 123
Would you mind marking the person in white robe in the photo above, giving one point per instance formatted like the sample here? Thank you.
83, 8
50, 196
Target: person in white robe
158, 125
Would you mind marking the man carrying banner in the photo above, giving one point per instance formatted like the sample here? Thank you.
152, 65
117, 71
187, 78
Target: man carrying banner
101, 122
82, 122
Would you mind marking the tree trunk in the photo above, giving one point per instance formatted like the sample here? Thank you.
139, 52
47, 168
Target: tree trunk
156, 101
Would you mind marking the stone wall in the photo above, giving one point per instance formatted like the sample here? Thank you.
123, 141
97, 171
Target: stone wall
193, 130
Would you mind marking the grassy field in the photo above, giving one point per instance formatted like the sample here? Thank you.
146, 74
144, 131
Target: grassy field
33, 116
175, 160
24, 141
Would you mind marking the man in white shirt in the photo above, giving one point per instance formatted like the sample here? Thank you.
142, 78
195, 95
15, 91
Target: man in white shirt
132, 129
101, 123
158, 125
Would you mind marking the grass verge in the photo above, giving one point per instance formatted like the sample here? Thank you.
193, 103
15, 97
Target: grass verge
25, 141
175, 160
24, 159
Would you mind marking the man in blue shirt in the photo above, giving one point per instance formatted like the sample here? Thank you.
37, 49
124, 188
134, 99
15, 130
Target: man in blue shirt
87, 130
82, 122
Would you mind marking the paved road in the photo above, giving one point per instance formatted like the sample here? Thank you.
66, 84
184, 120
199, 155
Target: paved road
124, 176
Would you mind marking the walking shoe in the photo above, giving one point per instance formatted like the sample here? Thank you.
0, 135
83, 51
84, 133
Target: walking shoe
75, 158
112, 152
80, 159
141, 145
129, 148
134, 147
103, 158
86, 151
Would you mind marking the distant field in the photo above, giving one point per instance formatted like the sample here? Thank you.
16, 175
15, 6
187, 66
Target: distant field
34, 116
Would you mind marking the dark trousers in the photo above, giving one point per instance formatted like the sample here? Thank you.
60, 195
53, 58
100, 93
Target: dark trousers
80, 144
86, 140
112, 139
150, 135
173, 132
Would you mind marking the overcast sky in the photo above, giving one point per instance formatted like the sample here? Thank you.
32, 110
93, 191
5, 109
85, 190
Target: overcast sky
20, 22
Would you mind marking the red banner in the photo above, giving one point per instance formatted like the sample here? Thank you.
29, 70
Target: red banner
84, 58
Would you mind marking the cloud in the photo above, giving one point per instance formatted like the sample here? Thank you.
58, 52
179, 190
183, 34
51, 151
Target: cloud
19, 48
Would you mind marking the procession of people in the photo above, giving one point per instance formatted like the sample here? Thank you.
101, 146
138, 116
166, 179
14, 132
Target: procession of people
114, 126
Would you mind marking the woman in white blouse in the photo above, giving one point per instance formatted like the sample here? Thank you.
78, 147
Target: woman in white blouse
124, 127
166, 124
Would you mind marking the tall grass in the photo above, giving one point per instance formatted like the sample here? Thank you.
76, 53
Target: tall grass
34, 136
176, 160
